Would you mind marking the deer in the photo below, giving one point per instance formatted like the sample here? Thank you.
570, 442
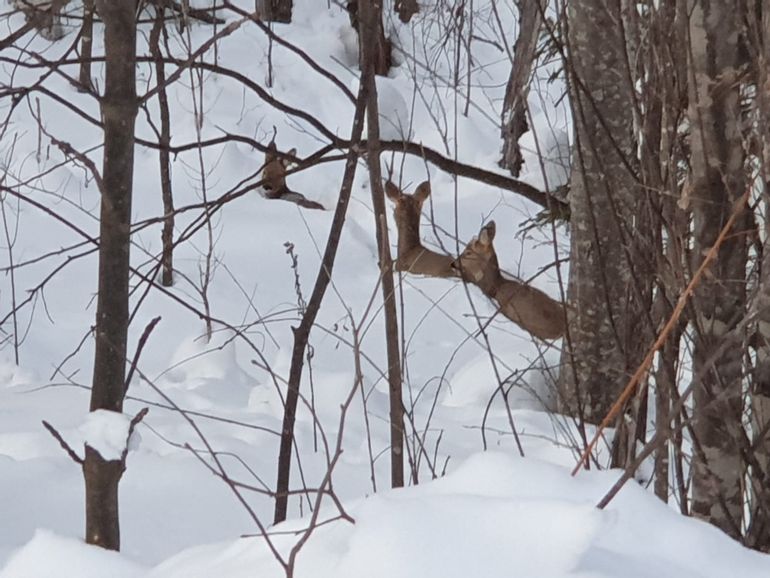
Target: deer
527, 307
274, 178
412, 256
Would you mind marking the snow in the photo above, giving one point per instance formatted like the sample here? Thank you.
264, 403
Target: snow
496, 515
478, 509
47, 555
108, 433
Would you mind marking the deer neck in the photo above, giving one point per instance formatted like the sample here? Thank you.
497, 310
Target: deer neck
492, 280
408, 235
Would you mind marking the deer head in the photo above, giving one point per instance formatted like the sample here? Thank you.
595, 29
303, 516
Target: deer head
530, 308
412, 256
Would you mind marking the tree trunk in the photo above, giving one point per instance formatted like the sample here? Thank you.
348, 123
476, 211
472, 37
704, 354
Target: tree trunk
662, 51
118, 108
406, 9
719, 301
102, 509
514, 121
302, 332
274, 10
164, 140
378, 46
759, 527
86, 46
607, 325
370, 16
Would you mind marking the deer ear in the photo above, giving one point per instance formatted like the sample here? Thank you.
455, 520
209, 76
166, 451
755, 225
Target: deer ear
487, 233
288, 162
270, 152
393, 192
423, 191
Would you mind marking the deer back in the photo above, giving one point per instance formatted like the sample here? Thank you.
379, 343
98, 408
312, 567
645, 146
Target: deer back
529, 308
413, 257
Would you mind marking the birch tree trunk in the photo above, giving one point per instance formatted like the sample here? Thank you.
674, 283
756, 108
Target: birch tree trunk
605, 333
719, 301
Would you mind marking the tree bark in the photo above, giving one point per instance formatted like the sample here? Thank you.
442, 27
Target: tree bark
302, 333
118, 108
406, 9
376, 44
274, 10
370, 16
164, 140
607, 328
514, 120
759, 527
717, 177
86, 46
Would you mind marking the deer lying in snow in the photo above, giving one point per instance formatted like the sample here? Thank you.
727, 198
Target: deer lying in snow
412, 256
274, 179
526, 306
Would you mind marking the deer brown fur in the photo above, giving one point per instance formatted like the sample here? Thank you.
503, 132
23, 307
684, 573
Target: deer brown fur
412, 256
526, 306
274, 179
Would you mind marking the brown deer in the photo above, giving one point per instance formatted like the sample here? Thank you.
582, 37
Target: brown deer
274, 179
529, 308
412, 256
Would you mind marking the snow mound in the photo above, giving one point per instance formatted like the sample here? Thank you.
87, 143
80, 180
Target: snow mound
50, 556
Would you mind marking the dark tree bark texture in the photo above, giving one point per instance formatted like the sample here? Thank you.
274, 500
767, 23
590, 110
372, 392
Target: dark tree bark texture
514, 121
118, 107
376, 45
370, 24
274, 10
167, 235
302, 332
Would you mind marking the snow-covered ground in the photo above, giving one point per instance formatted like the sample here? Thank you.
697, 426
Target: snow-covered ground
478, 510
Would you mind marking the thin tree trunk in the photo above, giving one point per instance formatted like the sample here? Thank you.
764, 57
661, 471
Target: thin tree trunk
86, 46
661, 111
719, 302
164, 140
302, 332
370, 13
514, 120
118, 108
377, 45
